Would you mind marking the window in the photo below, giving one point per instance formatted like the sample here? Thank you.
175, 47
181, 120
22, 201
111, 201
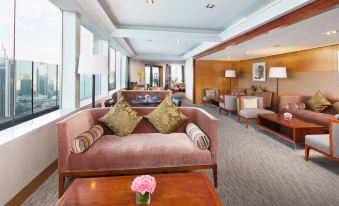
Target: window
118, 69
34, 68
177, 73
111, 73
152, 76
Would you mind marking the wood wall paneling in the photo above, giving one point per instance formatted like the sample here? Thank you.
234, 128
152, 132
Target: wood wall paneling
210, 74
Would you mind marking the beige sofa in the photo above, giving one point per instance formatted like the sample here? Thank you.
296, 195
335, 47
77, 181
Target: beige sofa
144, 150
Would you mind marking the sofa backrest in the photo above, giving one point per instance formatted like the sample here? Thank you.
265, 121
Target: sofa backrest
303, 99
144, 126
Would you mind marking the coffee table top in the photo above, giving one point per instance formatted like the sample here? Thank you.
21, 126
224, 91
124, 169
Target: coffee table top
172, 189
294, 123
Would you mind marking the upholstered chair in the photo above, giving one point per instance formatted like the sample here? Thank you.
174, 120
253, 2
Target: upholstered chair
229, 105
208, 94
249, 107
326, 144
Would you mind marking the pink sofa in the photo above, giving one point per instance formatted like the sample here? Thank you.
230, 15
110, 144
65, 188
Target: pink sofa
308, 115
145, 150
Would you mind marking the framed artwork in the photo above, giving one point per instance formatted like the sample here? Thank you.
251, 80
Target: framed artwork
259, 72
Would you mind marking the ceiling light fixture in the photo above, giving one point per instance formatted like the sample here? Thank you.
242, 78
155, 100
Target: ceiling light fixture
248, 52
178, 41
331, 32
210, 6
149, 1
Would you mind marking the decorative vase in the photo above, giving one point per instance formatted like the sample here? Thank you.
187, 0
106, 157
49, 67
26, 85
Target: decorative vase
143, 199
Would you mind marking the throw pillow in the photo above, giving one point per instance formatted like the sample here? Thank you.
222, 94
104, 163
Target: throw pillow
260, 89
294, 106
251, 103
250, 91
197, 136
336, 116
121, 119
336, 106
210, 93
84, 141
166, 117
318, 102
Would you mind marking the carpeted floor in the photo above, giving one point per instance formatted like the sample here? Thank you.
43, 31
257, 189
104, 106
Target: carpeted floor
254, 168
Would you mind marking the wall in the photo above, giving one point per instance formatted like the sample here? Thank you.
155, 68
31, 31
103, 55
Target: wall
211, 74
189, 78
308, 71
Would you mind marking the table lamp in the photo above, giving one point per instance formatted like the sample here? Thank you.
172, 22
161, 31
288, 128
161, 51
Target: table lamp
93, 64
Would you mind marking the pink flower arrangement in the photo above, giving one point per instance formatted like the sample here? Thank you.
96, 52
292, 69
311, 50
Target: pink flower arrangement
147, 96
221, 96
143, 184
287, 116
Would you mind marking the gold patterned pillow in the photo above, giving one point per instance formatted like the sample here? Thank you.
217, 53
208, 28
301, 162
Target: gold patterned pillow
336, 106
318, 102
121, 119
166, 117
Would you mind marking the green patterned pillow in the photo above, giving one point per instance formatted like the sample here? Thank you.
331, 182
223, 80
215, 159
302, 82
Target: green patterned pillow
336, 106
121, 119
318, 102
166, 117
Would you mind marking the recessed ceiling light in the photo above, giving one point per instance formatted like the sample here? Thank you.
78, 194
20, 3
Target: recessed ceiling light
149, 40
210, 6
149, 1
331, 32
248, 52
178, 41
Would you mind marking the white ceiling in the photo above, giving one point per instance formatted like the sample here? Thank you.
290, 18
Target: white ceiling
151, 32
303, 35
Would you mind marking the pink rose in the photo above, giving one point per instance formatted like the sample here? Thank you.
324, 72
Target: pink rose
144, 183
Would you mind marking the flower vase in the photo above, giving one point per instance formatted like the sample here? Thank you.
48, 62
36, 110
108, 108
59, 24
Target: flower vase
143, 199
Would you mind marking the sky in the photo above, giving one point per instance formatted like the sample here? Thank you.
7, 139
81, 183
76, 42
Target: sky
38, 30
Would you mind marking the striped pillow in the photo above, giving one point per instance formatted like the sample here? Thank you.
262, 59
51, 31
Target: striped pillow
197, 136
86, 139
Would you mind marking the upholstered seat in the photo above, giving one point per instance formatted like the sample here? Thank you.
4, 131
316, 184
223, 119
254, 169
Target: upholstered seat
208, 94
253, 113
326, 144
229, 104
149, 150
320, 142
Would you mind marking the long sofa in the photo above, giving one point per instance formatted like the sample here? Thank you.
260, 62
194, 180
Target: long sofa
145, 150
308, 115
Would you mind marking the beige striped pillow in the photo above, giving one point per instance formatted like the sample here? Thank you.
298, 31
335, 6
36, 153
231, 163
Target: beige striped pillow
197, 136
86, 139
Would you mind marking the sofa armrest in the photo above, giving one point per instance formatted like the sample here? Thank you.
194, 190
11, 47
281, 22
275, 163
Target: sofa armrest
209, 125
67, 130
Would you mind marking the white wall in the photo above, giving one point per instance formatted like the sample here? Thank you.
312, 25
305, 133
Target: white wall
135, 67
189, 78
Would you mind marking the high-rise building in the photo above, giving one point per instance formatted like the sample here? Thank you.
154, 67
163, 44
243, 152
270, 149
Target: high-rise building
26, 86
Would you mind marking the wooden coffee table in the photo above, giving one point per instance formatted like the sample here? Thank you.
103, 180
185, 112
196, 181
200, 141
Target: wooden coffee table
172, 189
293, 131
216, 101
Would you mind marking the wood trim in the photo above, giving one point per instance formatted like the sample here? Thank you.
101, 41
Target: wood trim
321, 152
330, 122
305, 12
98, 173
19, 198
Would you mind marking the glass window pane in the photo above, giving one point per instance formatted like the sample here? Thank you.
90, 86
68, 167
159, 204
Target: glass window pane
155, 76
44, 86
147, 76
23, 103
86, 47
6, 60
111, 75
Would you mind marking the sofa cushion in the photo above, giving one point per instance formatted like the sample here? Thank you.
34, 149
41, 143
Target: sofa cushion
121, 119
318, 102
294, 106
249, 103
210, 93
197, 136
86, 139
320, 141
253, 113
148, 150
166, 117
310, 116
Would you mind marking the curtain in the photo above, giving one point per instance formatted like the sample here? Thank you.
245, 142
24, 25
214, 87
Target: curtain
183, 73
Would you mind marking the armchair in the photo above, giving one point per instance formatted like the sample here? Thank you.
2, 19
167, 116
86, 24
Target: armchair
208, 94
229, 105
326, 144
250, 106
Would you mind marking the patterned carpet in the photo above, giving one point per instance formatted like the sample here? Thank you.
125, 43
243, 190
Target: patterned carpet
254, 168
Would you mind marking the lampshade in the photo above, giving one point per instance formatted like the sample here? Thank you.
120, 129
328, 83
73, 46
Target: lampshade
278, 72
230, 73
93, 64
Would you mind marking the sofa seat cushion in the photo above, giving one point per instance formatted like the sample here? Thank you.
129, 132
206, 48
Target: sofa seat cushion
148, 150
310, 116
320, 142
253, 113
